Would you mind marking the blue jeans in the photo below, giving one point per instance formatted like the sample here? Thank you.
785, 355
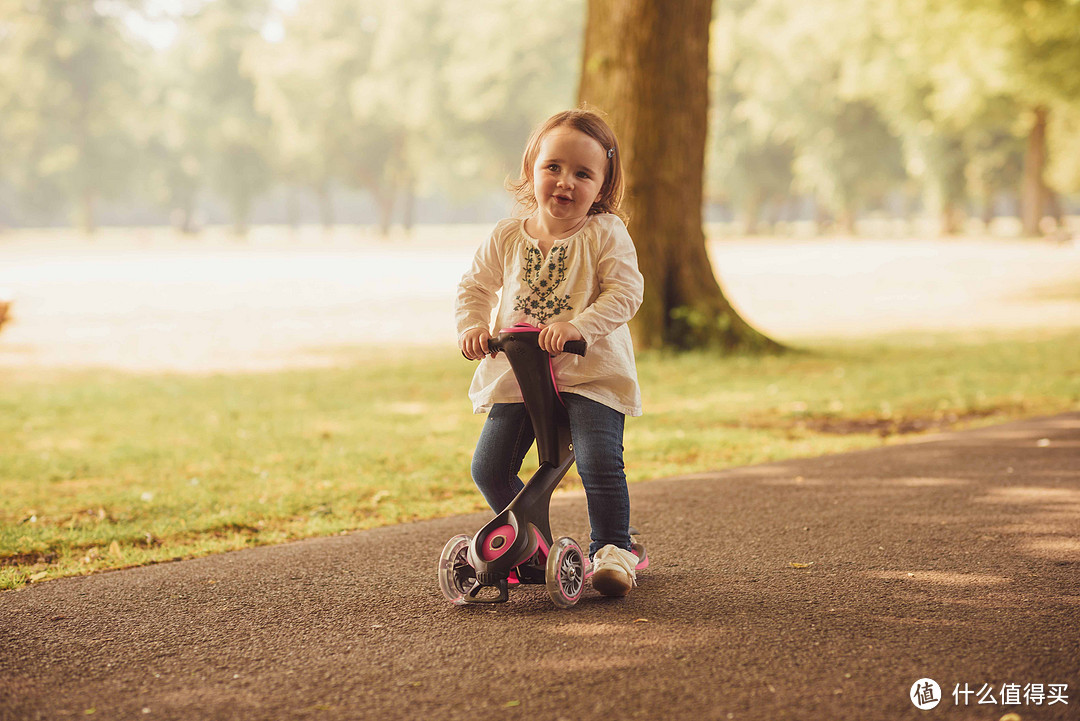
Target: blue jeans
598, 434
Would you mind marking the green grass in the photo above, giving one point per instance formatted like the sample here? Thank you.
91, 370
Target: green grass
103, 470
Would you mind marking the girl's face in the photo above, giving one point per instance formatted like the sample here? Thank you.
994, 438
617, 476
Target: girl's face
568, 175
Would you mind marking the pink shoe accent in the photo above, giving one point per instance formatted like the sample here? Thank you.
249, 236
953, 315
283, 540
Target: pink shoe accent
642, 564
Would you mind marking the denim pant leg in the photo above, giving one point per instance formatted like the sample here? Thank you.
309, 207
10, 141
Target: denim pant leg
504, 441
598, 447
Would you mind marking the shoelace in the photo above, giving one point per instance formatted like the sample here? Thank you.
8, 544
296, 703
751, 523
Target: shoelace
612, 556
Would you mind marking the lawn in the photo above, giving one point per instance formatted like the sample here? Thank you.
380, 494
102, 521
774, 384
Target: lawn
104, 469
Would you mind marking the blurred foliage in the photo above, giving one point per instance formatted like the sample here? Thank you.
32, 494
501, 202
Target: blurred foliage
854, 100
848, 105
69, 92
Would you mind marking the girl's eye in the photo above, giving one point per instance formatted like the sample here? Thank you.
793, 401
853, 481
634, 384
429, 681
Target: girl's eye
553, 167
583, 174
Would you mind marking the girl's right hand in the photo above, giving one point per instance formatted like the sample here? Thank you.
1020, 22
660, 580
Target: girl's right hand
474, 344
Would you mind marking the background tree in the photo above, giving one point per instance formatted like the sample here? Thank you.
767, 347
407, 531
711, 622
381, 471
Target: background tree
646, 64
1043, 56
943, 71
996, 157
174, 147
527, 72
790, 60
214, 46
69, 93
843, 102
750, 153
304, 85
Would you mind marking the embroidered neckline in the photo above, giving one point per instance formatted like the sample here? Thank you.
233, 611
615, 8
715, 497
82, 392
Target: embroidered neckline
542, 303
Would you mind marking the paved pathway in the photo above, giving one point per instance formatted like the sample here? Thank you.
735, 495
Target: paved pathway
956, 558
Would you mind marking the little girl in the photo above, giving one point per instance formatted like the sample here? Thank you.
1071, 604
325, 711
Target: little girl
568, 266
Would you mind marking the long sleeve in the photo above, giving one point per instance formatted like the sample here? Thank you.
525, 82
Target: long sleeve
477, 291
621, 287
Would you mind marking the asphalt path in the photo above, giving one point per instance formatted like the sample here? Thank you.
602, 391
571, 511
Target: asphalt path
810, 589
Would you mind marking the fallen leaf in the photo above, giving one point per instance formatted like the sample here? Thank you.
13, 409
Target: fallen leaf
1043, 442
801, 565
511, 704
114, 550
38, 576
641, 620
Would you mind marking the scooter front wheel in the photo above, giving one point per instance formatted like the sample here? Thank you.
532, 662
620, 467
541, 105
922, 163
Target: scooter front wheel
456, 576
565, 572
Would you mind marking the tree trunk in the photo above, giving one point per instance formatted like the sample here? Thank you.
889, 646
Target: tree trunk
646, 64
292, 208
241, 210
948, 183
384, 203
952, 219
326, 205
187, 214
845, 221
752, 210
84, 212
823, 220
988, 209
1033, 190
408, 209
1053, 209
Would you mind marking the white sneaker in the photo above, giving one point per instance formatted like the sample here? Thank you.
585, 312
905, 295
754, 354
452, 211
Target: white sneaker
614, 571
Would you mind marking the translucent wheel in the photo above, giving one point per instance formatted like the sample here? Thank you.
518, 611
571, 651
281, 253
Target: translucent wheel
565, 572
456, 576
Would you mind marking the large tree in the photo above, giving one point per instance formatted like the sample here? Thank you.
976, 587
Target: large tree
646, 64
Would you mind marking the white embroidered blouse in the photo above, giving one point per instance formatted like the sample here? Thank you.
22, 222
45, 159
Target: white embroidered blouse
590, 279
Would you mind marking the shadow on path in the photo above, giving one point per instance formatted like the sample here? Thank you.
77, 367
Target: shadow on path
955, 558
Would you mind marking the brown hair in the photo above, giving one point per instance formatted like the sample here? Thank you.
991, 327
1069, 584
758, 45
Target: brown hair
593, 125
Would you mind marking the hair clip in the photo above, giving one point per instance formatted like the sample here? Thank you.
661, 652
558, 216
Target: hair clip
610, 152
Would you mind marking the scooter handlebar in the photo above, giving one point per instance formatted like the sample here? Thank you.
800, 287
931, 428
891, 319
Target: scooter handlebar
495, 345
577, 347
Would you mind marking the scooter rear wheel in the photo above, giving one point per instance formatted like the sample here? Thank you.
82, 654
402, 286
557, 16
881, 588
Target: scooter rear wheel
456, 576
565, 572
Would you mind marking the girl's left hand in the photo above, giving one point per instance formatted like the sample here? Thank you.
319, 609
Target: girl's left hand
553, 337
